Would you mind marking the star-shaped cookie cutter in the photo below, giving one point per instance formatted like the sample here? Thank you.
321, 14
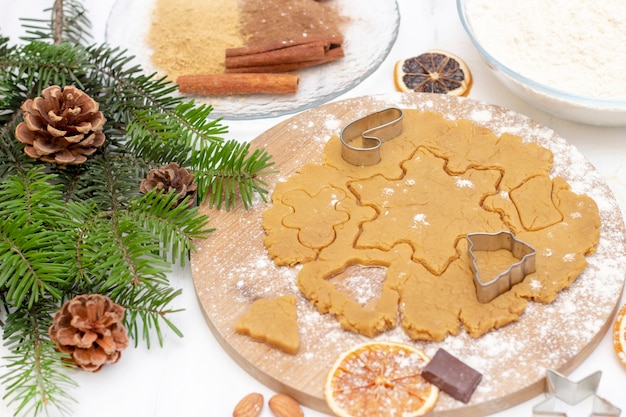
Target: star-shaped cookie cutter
374, 129
560, 388
503, 282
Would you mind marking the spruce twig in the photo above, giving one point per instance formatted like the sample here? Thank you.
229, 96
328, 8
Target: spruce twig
36, 379
87, 229
57, 22
68, 22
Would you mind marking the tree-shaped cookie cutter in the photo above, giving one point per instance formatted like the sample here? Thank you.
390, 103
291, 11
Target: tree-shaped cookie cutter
503, 282
374, 129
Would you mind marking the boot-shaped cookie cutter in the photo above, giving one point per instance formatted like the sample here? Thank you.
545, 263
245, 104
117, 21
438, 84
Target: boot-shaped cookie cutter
373, 129
503, 282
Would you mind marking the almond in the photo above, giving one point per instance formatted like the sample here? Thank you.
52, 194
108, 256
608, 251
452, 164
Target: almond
249, 406
283, 405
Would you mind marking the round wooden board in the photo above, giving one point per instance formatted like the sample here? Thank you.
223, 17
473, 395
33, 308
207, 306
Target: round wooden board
231, 269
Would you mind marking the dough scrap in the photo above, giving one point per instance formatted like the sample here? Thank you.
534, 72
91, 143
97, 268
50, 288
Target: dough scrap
437, 181
274, 321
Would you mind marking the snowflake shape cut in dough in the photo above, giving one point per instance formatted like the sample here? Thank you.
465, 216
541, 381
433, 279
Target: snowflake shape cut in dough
421, 208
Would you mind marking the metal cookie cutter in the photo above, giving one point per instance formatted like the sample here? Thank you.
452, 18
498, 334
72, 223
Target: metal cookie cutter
503, 282
373, 129
560, 388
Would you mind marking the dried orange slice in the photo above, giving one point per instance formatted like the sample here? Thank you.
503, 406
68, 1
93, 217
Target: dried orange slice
619, 335
434, 71
380, 379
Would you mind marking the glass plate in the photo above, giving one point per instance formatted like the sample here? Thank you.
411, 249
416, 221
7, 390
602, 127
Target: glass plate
368, 38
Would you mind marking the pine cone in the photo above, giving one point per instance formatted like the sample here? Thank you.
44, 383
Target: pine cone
170, 178
62, 127
89, 328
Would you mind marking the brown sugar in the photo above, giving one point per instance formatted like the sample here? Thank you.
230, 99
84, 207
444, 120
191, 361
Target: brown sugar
190, 36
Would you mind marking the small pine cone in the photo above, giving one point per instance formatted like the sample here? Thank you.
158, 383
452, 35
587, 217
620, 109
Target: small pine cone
89, 328
170, 178
61, 126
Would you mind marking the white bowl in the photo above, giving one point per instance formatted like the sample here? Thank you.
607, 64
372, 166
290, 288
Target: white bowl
563, 104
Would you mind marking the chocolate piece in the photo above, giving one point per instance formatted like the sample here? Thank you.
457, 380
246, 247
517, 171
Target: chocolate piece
452, 376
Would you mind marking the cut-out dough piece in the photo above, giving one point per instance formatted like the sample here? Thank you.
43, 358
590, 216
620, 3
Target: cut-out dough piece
428, 208
468, 145
533, 200
315, 216
283, 243
273, 321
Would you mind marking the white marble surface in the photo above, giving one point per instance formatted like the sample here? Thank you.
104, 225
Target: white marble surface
193, 376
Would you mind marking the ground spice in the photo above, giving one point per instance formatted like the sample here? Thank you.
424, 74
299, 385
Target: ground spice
270, 21
190, 36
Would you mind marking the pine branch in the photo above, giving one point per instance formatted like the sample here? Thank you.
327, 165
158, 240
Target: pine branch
37, 65
10, 93
175, 227
13, 161
68, 23
35, 378
146, 307
88, 229
130, 271
158, 126
111, 179
33, 264
161, 126
173, 134
118, 254
230, 171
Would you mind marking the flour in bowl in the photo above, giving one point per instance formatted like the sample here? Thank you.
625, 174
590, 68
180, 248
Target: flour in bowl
574, 46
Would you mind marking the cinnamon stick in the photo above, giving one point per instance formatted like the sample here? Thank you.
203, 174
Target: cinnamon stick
284, 56
279, 55
260, 48
332, 55
237, 84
